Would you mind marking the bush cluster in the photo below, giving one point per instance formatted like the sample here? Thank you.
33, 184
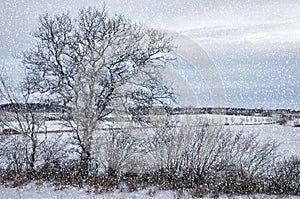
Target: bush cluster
205, 160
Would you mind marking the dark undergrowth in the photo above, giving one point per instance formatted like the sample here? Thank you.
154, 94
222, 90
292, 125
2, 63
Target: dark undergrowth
202, 161
283, 179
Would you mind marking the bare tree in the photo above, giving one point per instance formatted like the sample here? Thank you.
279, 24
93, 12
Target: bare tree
97, 65
22, 120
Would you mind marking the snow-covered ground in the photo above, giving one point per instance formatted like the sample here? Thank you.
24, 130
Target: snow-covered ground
33, 191
287, 136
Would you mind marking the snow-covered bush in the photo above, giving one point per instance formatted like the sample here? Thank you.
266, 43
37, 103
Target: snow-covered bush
286, 177
213, 158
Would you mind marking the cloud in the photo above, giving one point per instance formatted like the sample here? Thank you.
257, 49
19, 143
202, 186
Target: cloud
247, 39
262, 34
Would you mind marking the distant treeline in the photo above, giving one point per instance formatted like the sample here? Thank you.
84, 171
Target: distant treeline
31, 107
233, 111
55, 108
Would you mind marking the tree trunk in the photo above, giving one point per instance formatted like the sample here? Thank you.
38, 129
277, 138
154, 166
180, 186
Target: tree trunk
85, 158
32, 159
84, 164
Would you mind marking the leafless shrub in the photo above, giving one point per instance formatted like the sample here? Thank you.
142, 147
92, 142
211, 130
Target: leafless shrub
221, 161
113, 150
285, 178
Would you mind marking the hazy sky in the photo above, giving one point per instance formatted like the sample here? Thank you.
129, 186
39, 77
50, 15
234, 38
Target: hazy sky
247, 39
19, 17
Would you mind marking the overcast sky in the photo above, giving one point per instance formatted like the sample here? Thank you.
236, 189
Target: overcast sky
230, 30
19, 17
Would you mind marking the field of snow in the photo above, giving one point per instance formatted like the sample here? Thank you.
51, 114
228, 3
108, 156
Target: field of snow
33, 191
286, 135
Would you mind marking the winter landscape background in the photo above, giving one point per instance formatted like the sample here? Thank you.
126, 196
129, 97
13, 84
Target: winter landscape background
255, 47
254, 44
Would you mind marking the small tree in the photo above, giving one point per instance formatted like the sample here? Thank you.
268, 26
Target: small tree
26, 122
97, 65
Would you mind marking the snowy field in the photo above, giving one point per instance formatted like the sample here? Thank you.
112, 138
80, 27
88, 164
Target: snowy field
265, 127
287, 136
33, 191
